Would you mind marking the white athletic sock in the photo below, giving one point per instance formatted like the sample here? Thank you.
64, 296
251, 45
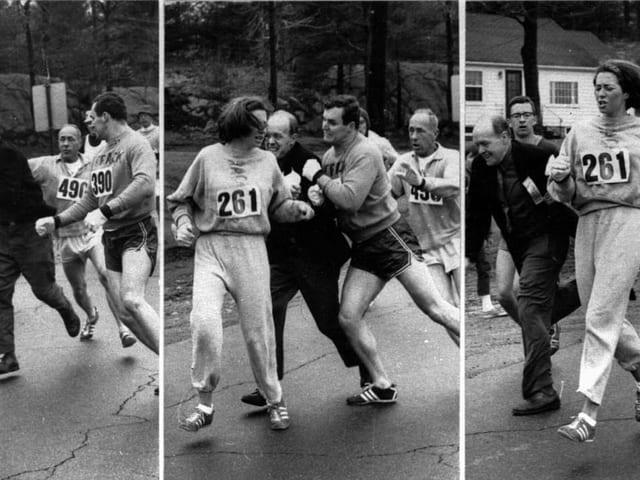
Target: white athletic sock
208, 409
486, 303
588, 420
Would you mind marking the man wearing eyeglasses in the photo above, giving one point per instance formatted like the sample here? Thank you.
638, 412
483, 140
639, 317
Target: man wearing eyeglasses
522, 120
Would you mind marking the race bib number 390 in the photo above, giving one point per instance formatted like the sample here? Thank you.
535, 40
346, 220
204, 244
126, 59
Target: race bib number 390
239, 202
606, 167
70, 188
102, 182
426, 198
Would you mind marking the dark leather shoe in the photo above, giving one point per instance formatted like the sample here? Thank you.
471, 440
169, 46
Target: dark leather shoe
539, 402
9, 363
71, 321
254, 398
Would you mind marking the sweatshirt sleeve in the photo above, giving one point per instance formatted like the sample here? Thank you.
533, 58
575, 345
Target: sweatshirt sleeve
359, 175
38, 169
282, 207
181, 202
449, 185
142, 185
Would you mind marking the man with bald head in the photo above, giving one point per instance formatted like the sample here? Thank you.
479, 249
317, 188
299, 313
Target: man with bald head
63, 179
304, 257
508, 182
429, 178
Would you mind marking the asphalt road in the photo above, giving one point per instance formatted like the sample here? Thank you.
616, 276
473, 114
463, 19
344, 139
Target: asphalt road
77, 410
417, 438
501, 446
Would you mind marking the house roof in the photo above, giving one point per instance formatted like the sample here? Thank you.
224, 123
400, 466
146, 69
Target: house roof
498, 39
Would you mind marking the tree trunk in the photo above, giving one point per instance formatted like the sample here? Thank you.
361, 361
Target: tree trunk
273, 51
399, 119
450, 57
340, 78
376, 69
30, 59
529, 54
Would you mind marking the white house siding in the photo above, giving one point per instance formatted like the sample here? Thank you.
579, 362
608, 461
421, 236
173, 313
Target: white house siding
564, 116
556, 116
492, 94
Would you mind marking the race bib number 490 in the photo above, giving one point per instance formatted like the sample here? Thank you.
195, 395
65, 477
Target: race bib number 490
606, 167
239, 202
70, 188
426, 198
102, 182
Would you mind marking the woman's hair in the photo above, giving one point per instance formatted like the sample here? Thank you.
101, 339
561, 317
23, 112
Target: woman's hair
628, 75
367, 122
236, 119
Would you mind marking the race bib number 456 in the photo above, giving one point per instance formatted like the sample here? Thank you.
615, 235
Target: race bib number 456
606, 167
70, 188
239, 202
102, 182
427, 198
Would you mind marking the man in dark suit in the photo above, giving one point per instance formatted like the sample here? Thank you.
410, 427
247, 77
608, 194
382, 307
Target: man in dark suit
23, 252
305, 256
508, 182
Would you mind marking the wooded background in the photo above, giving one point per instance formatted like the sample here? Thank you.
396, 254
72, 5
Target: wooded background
90, 45
394, 56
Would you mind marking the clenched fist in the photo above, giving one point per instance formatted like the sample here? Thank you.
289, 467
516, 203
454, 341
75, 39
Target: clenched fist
316, 197
45, 226
558, 168
94, 220
183, 233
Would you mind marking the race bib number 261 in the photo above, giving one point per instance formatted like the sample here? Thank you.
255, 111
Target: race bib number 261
606, 167
239, 202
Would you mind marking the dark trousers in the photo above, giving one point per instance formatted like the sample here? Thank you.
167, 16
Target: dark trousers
23, 251
541, 302
318, 284
483, 271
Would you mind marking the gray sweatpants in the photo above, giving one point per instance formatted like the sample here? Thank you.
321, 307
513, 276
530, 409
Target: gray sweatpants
607, 255
237, 264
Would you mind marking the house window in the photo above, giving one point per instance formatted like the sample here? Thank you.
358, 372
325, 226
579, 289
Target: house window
564, 93
473, 88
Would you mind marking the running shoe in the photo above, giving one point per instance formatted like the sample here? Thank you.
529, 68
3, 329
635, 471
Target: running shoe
554, 342
637, 406
90, 325
196, 421
279, 416
127, 339
578, 431
372, 394
8, 363
254, 398
71, 320
493, 312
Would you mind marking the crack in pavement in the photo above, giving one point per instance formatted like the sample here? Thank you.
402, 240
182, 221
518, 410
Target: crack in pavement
54, 467
453, 450
122, 406
85, 440
246, 382
542, 429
